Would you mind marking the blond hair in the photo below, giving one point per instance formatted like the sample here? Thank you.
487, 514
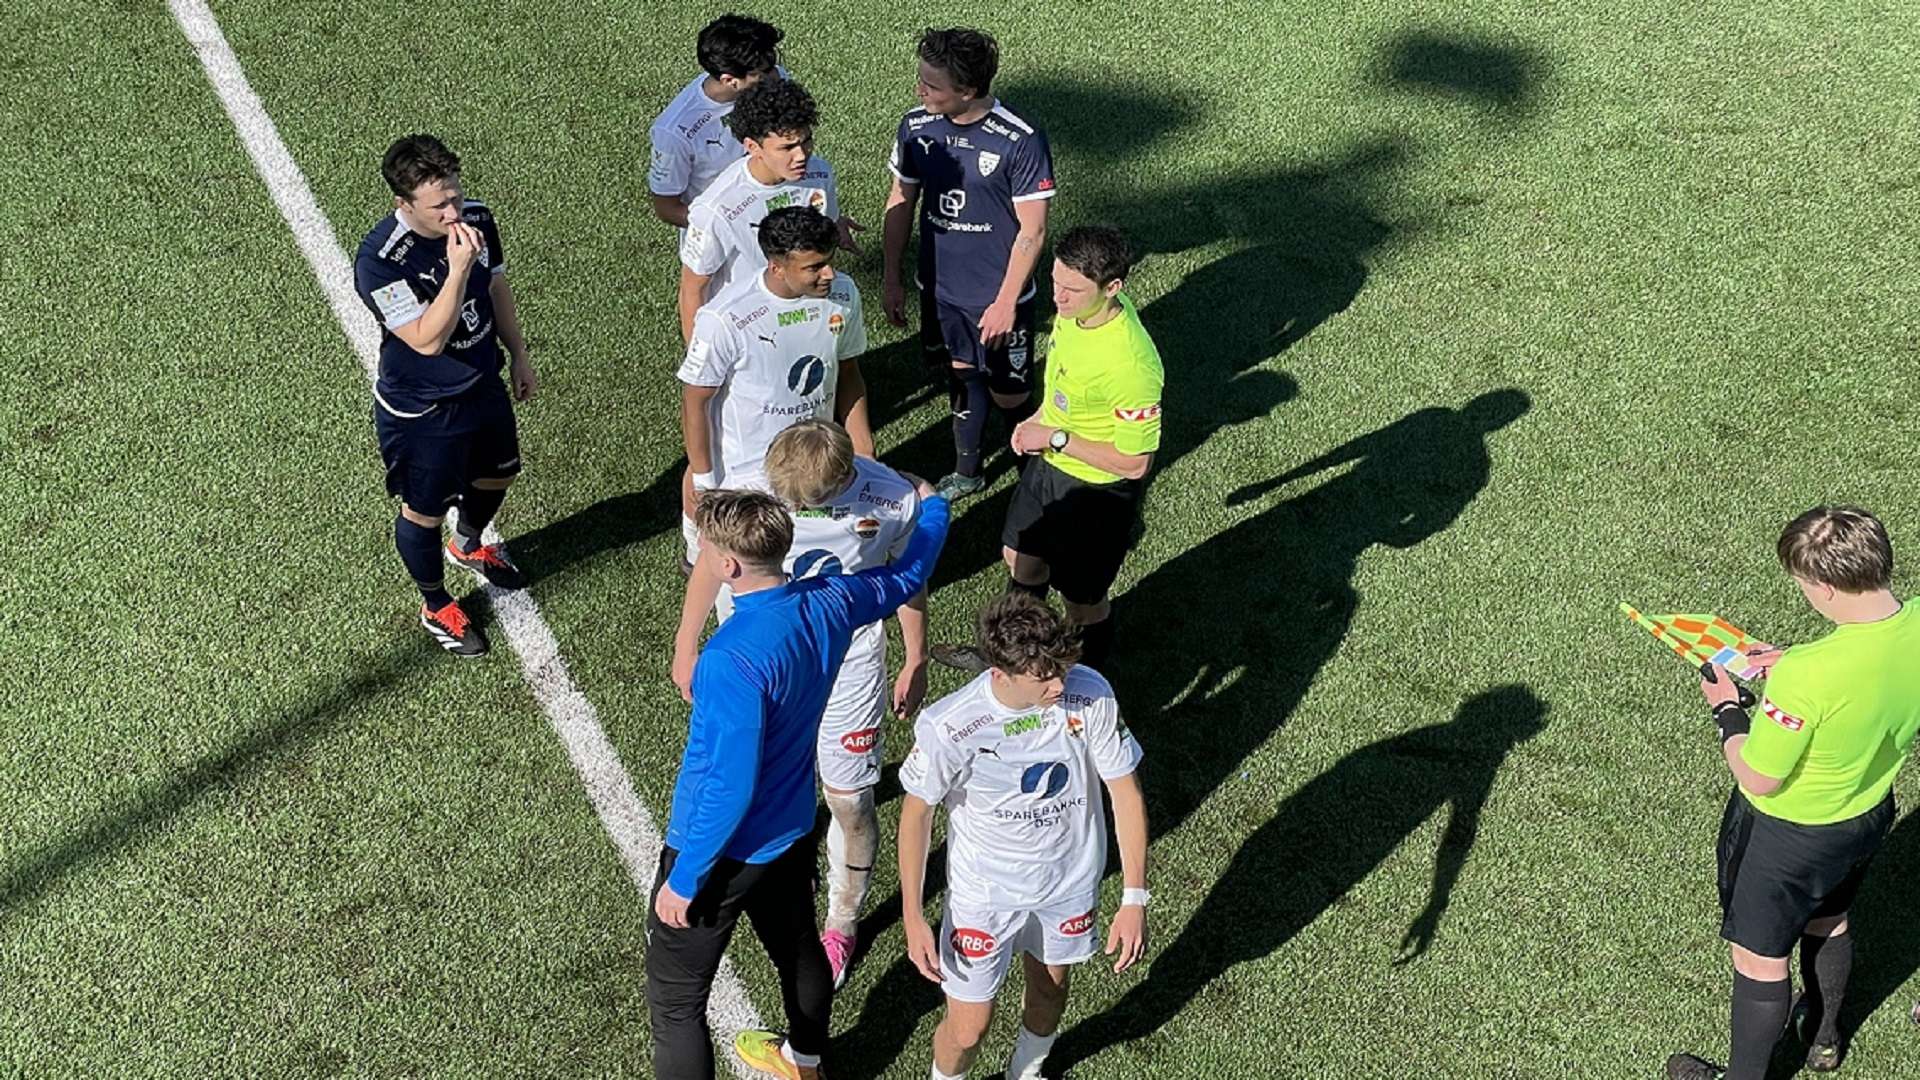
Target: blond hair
809, 463
751, 526
1841, 546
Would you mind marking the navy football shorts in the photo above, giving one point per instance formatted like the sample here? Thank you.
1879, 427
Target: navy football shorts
952, 333
432, 459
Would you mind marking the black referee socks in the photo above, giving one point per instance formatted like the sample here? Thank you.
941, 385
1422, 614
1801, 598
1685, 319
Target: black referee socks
1759, 1013
1096, 642
1826, 963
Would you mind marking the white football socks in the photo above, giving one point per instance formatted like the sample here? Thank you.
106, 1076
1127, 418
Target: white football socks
805, 1061
1029, 1052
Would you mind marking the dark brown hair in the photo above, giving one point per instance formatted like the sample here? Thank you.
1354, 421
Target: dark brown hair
1841, 546
417, 159
1021, 635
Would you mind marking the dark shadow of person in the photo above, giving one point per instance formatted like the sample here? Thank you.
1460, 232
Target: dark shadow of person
1323, 840
1227, 638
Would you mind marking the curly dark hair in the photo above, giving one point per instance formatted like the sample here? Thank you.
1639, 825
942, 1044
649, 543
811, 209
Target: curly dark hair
1101, 252
970, 58
739, 45
1019, 634
770, 106
417, 159
797, 228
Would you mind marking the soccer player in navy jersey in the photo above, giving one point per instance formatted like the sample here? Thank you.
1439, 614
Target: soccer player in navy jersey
434, 276
982, 176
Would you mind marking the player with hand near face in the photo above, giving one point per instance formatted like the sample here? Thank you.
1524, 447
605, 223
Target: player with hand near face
434, 276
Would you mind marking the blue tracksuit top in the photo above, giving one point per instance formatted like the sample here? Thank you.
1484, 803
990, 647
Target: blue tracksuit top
746, 786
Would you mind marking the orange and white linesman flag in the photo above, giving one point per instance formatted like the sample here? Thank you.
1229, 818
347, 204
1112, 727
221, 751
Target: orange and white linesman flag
1700, 639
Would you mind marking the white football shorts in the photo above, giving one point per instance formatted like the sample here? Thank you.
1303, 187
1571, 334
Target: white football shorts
977, 945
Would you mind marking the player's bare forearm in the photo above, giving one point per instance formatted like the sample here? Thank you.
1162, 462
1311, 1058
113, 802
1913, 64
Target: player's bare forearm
670, 209
850, 408
1027, 245
1130, 829
506, 317
916, 836
693, 293
896, 226
696, 430
913, 630
428, 335
703, 588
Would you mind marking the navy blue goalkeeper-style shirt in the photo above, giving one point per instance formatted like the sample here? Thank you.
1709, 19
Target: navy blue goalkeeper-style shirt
970, 178
746, 784
397, 273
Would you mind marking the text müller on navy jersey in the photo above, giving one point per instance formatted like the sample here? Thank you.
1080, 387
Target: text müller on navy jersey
970, 176
397, 273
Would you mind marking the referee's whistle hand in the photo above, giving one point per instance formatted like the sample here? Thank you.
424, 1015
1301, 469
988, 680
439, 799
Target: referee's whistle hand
671, 907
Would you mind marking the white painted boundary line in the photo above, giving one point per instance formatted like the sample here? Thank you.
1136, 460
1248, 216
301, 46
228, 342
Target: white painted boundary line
572, 716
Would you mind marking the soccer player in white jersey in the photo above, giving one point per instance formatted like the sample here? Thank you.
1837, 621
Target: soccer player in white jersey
691, 141
774, 120
849, 513
1019, 757
779, 346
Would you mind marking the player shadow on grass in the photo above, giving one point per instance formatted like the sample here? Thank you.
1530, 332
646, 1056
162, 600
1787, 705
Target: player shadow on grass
1271, 599
1322, 841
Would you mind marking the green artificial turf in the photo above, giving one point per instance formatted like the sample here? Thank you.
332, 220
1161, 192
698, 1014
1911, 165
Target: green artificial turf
1474, 324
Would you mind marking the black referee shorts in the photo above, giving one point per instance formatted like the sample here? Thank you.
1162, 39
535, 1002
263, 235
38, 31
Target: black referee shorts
1776, 876
1081, 530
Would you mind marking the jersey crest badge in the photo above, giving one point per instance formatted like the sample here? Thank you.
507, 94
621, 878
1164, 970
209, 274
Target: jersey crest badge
866, 528
836, 322
1060, 400
989, 161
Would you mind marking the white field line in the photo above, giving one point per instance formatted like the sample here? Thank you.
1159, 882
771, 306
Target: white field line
572, 716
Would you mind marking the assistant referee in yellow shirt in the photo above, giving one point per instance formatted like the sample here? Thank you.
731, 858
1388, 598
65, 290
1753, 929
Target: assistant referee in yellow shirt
1813, 795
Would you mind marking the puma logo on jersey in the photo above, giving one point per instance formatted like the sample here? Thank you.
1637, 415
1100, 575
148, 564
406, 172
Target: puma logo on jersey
764, 338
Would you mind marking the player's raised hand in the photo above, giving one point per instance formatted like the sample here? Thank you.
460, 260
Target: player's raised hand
1127, 937
893, 301
921, 948
463, 246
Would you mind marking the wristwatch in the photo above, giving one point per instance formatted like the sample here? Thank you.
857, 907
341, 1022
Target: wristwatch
1058, 440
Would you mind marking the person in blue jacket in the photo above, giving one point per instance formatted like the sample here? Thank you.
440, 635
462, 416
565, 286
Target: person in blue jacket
745, 795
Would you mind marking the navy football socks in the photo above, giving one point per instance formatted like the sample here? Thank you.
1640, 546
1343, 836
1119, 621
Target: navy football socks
420, 551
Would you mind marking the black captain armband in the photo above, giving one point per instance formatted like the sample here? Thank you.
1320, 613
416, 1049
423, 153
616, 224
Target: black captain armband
1732, 718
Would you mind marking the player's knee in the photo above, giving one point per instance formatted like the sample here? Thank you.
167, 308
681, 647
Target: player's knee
1011, 401
967, 1026
854, 810
425, 521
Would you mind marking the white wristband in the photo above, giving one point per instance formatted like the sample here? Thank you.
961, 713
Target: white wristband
1135, 898
703, 481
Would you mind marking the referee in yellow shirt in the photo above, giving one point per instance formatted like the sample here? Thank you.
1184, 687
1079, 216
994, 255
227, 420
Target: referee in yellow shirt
1094, 437
1813, 795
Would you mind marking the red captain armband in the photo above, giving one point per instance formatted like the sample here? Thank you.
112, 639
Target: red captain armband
1781, 716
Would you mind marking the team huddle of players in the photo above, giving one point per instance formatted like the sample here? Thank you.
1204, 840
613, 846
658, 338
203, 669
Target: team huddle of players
773, 400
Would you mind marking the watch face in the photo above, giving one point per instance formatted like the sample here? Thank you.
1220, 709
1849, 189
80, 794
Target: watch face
1059, 440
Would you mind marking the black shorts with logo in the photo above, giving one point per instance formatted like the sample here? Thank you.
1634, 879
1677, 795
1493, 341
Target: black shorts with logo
952, 333
1776, 876
1082, 530
431, 459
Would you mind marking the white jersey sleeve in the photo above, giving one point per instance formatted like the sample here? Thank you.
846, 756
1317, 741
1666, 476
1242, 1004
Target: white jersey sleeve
832, 188
1113, 748
852, 342
909, 520
712, 354
936, 767
670, 171
701, 248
